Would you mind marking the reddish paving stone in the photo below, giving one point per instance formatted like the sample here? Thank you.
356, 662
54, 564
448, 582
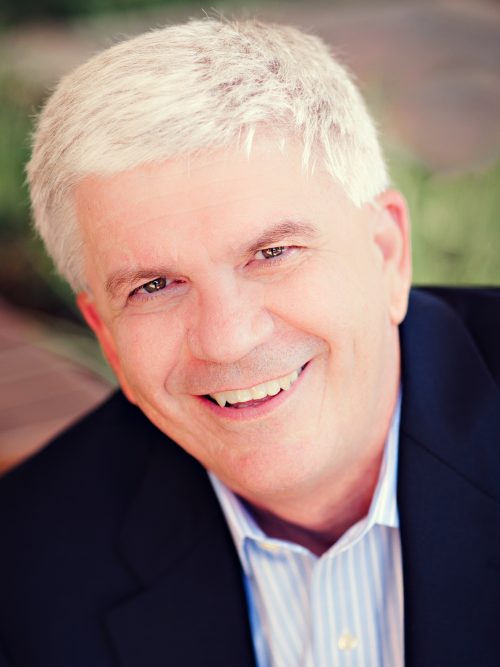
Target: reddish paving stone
62, 405
40, 392
51, 392
19, 359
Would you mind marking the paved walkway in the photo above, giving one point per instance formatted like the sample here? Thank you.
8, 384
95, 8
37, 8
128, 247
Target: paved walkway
432, 71
41, 392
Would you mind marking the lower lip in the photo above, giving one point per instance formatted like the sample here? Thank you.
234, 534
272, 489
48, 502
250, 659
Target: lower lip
254, 411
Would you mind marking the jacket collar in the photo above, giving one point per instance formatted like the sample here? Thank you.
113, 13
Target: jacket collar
448, 491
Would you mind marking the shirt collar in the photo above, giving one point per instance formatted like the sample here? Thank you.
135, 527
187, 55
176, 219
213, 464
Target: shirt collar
383, 508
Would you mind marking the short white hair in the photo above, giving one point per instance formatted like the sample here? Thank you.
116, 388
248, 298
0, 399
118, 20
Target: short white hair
205, 84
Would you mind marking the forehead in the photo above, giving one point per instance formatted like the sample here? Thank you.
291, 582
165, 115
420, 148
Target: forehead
177, 214
217, 181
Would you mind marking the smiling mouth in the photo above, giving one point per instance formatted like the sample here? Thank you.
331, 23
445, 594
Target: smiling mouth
256, 395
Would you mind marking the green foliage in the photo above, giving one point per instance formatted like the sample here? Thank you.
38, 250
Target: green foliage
30, 10
26, 275
456, 223
14, 148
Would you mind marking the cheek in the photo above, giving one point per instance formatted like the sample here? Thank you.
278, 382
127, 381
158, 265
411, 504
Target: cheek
148, 348
333, 296
341, 303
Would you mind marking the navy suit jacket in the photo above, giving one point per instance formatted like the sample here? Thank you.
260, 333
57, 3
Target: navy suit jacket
114, 551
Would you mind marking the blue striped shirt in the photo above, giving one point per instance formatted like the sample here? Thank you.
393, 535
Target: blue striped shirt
344, 608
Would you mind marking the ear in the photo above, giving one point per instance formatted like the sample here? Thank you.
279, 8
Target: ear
392, 237
89, 311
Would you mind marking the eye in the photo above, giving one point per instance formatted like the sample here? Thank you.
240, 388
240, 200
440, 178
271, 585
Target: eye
270, 253
152, 286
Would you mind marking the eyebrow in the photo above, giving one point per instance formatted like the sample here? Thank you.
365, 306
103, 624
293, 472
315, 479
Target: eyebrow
274, 235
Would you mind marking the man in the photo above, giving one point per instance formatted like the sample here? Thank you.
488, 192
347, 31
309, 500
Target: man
216, 196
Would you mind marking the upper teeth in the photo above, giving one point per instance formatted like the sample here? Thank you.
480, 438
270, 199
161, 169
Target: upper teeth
270, 388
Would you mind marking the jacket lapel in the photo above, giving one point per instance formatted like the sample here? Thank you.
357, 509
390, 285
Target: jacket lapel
448, 492
190, 608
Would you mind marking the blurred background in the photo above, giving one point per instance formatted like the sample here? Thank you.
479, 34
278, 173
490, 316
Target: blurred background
430, 72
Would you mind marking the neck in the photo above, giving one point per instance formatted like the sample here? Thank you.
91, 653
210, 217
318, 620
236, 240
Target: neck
319, 525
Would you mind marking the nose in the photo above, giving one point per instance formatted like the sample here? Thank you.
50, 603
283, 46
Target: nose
228, 322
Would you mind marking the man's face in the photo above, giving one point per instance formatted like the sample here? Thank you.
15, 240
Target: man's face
233, 278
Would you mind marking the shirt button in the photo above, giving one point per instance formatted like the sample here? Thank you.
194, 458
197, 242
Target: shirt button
347, 641
270, 547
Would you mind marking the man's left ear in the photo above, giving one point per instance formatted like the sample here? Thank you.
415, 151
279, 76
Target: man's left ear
392, 237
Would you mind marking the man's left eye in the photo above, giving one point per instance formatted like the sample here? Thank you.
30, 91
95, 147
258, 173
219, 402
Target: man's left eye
155, 285
270, 253
152, 286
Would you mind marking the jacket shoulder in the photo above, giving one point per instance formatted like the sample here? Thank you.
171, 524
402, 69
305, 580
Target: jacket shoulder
113, 421
477, 309
62, 514
100, 454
